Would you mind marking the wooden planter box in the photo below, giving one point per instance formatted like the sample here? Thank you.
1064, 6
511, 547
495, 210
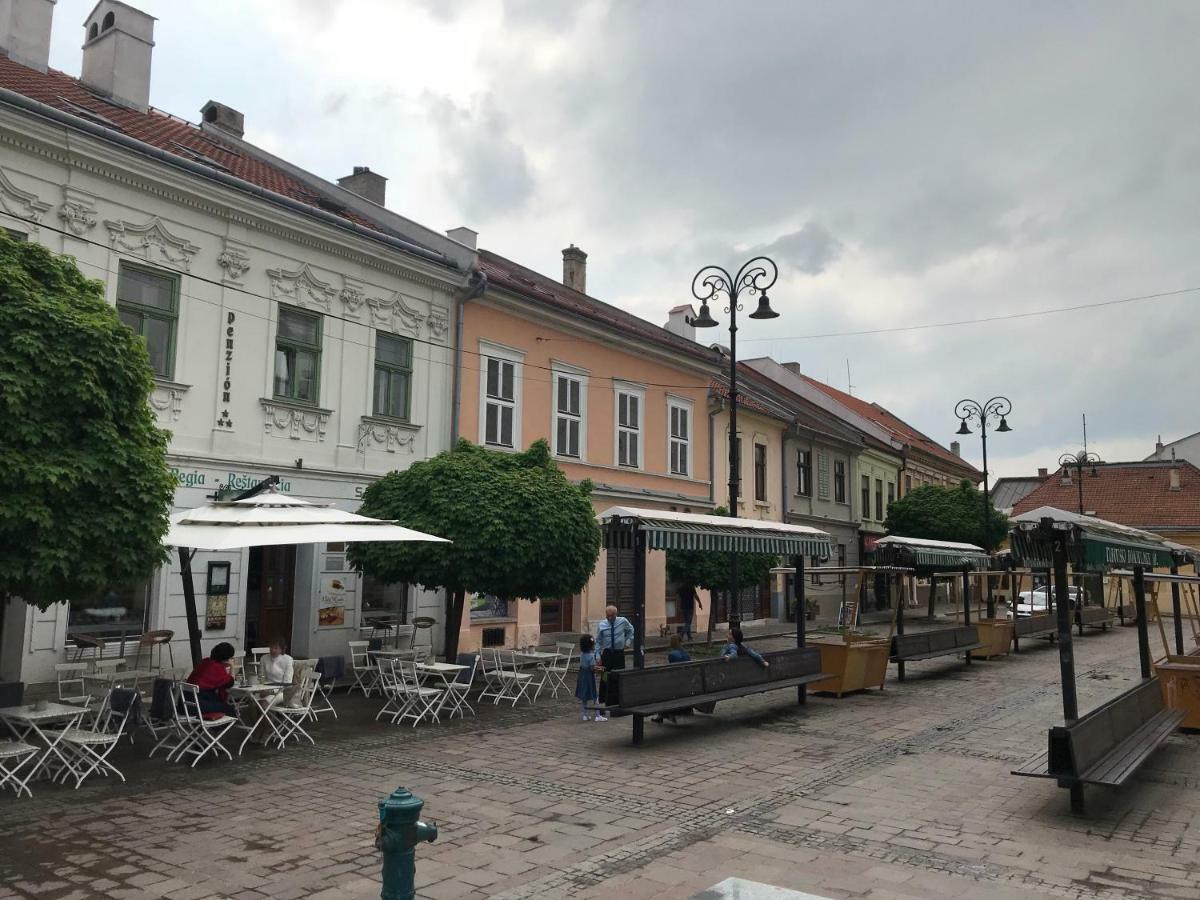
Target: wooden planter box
1179, 677
859, 662
995, 635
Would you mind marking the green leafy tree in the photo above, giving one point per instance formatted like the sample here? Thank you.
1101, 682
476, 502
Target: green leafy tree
519, 528
85, 489
714, 571
946, 514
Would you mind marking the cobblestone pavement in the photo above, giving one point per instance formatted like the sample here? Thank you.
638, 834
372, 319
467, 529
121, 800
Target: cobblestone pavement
893, 794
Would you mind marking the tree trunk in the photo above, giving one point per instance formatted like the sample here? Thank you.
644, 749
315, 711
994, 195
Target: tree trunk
455, 600
189, 604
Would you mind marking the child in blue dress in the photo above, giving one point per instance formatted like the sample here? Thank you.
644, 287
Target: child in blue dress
585, 684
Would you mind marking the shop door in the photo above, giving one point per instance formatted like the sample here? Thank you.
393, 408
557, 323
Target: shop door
273, 579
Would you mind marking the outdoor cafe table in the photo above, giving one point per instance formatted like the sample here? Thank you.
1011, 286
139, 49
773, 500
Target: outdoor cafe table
118, 676
260, 697
28, 721
444, 673
537, 656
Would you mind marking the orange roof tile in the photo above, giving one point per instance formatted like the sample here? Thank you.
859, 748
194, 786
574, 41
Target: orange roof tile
1133, 493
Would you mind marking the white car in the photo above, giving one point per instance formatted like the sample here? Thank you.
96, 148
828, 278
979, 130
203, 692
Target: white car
1035, 602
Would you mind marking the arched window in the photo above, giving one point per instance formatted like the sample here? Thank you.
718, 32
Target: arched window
93, 31
109, 18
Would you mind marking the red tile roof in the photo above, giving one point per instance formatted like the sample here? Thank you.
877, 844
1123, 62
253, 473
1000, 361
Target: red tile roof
166, 132
1135, 493
745, 401
534, 286
892, 423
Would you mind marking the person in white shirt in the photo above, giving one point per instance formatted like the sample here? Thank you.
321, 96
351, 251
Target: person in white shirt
276, 667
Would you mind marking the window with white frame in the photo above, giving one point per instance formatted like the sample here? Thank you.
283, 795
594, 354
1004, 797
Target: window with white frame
570, 412
629, 426
679, 424
500, 401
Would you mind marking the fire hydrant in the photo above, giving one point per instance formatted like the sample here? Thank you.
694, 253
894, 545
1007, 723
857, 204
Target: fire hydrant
400, 830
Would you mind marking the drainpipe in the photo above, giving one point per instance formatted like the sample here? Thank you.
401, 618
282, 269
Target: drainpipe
712, 459
475, 289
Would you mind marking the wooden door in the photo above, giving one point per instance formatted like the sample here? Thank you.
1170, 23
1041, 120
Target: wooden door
555, 615
277, 580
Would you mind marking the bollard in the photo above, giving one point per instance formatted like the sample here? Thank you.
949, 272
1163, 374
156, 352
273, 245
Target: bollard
400, 830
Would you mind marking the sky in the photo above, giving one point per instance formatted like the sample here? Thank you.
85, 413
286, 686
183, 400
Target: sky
905, 164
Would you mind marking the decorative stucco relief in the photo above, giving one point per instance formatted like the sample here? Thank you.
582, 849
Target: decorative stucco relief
152, 241
439, 324
78, 210
300, 288
294, 421
386, 436
22, 204
234, 262
166, 399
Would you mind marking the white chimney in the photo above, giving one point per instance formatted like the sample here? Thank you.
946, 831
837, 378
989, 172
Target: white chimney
575, 269
1176, 483
25, 31
465, 236
222, 118
677, 321
117, 46
367, 184
956, 448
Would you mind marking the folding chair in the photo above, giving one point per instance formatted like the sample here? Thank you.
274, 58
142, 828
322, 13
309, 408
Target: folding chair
366, 676
460, 687
422, 701
322, 703
71, 687
253, 655
86, 750
392, 687
514, 684
289, 720
492, 674
13, 755
201, 736
560, 668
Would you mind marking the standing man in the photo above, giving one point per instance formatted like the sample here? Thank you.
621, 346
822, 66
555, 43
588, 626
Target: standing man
613, 635
689, 601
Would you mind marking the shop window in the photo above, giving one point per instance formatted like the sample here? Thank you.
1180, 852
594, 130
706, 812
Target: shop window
116, 611
382, 603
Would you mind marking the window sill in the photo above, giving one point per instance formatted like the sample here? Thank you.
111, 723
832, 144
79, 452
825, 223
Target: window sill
391, 422
298, 405
168, 384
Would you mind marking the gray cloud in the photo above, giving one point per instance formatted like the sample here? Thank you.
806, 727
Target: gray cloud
811, 249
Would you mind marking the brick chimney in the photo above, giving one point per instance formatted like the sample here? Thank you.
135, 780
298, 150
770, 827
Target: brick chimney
365, 183
1043, 473
25, 31
117, 48
575, 269
956, 448
223, 118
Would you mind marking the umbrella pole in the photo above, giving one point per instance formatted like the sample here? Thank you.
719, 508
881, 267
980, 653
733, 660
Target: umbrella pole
189, 603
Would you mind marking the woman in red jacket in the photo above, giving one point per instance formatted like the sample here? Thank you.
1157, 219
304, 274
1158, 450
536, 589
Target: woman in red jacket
213, 679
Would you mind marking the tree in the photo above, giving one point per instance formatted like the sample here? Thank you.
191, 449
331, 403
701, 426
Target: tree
85, 489
945, 514
519, 528
713, 571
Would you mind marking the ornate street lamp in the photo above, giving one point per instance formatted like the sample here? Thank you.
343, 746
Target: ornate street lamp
982, 413
754, 277
1080, 461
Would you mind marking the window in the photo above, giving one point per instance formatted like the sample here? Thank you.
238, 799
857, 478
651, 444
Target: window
500, 402
298, 355
15, 235
804, 473
568, 415
679, 415
629, 428
148, 301
907, 484
760, 473
383, 604
393, 376
866, 497
822, 475
879, 499
112, 612
839, 481
891, 494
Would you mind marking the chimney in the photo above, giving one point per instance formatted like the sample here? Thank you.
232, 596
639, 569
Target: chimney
575, 269
677, 321
117, 46
1158, 448
25, 31
1176, 483
793, 367
366, 184
956, 448
1043, 473
465, 236
222, 118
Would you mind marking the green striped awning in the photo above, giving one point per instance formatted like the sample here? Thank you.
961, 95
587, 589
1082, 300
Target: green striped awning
668, 530
1093, 545
929, 555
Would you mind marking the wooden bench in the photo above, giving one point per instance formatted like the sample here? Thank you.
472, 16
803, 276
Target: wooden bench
664, 689
1044, 625
929, 644
1127, 613
1093, 617
1107, 745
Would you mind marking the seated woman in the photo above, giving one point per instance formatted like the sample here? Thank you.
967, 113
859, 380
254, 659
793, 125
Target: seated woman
213, 679
276, 667
737, 647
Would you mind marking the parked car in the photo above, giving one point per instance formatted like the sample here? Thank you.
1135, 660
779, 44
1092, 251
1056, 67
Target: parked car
1036, 603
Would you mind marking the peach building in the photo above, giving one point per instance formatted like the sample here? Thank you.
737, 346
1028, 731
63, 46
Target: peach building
621, 401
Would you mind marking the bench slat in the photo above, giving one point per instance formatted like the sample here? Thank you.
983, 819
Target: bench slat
952, 651
1116, 767
650, 709
1038, 767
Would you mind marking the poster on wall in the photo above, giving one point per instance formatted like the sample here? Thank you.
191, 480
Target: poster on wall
214, 612
335, 596
488, 606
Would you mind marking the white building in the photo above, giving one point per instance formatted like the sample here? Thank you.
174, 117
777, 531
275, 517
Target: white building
1186, 448
297, 329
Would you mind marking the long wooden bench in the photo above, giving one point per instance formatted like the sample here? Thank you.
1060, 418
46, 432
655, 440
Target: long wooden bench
929, 644
1107, 745
663, 689
1093, 617
1044, 625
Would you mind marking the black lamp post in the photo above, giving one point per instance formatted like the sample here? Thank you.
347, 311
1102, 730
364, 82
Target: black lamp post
982, 413
1080, 461
754, 277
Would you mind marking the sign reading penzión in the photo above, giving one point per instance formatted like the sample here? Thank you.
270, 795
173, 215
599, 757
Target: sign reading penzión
223, 420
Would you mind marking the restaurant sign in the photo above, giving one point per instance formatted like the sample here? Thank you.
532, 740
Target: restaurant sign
1097, 553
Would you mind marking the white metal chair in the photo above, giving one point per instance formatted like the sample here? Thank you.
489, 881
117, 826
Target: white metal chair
491, 674
86, 750
514, 684
366, 675
322, 702
404, 636
560, 668
289, 718
107, 666
422, 701
13, 755
391, 687
252, 658
71, 686
544, 678
201, 736
458, 689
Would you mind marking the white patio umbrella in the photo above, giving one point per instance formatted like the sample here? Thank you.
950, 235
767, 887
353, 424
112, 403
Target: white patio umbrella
267, 518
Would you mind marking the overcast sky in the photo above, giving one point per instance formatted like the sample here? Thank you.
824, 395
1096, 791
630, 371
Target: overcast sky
904, 162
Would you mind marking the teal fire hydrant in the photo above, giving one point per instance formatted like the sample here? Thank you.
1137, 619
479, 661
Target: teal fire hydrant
400, 830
